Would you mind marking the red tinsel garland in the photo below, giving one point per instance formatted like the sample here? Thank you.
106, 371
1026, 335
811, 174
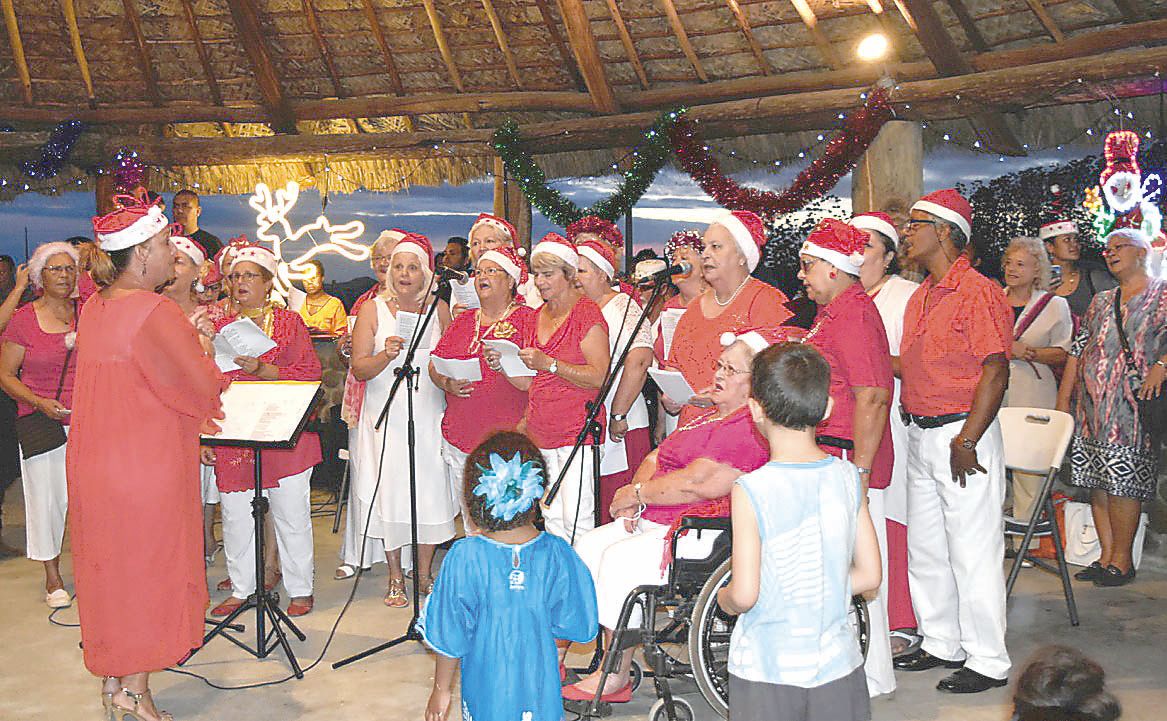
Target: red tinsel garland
841, 154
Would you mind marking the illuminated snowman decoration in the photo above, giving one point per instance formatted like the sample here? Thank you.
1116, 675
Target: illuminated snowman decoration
1132, 199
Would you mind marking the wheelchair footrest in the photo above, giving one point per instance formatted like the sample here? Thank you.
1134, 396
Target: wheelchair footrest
581, 709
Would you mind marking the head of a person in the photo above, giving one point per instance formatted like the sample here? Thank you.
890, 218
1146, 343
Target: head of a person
499, 274
52, 269
596, 229
1060, 683
732, 369
488, 233
252, 274
7, 275
879, 253
189, 258
381, 254
136, 239
830, 259
790, 387
733, 248
211, 283
939, 223
1061, 241
314, 280
457, 253
686, 246
554, 263
1127, 251
411, 266
1026, 265
187, 210
597, 268
503, 481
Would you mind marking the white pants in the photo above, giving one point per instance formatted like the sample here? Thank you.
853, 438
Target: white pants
956, 547
292, 514
209, 485
878, 667
46, 503
455, 463
572, 512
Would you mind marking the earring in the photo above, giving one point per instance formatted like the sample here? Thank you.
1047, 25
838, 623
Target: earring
834, 275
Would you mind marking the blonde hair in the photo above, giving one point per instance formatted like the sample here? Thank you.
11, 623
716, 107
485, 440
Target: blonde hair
40, 256
547, 262
1036, 249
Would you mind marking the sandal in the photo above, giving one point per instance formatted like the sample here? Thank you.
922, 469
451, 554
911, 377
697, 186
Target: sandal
301, 607
119, 713
911, 640
427, 587
395, 596
227, 607
224, 585
346, 571
210, 557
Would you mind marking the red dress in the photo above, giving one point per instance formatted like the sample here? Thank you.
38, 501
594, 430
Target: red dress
143, 390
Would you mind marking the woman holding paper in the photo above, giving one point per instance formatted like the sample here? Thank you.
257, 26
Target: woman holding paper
478, 409
380, 459
685, 246
285, 472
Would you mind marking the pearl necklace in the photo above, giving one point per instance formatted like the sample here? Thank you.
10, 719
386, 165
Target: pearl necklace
732, 297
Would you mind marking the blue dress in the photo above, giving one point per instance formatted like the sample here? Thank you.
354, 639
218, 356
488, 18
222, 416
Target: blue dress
499, 608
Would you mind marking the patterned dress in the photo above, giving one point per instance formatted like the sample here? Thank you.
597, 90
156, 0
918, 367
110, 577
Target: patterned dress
1111, 450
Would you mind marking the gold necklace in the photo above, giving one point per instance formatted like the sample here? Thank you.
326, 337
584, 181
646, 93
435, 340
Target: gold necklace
706, 419
479, 333
262, 316
732, 297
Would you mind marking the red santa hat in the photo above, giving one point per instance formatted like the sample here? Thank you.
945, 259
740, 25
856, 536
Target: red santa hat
493, 221
510, 260
880, 223
257, 254
419, 245
838, 243
132, 223
748, 232
950, 206
756, 339
600, 254
555, 244
228, 251
191, 248
1056, 228
605, 229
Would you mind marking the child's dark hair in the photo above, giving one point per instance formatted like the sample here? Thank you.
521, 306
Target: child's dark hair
1060, 683
506, 444
791, 381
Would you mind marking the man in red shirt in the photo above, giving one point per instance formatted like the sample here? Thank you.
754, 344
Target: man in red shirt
954, 362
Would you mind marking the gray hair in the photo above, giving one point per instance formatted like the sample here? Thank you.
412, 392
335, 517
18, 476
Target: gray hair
1035, 248
40, 256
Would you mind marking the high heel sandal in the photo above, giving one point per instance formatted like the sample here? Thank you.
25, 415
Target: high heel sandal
106, 700
119, 713
395, 597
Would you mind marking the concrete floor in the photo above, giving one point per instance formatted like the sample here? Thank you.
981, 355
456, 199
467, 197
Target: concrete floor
42, 676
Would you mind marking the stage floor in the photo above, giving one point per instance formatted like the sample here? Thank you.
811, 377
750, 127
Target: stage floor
42, 677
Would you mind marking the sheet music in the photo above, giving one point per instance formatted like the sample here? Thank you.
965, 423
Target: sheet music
668, 327
240, 338
458, 369
296, 299
264, 411
406, 326
465, 294
672, 384
512, 365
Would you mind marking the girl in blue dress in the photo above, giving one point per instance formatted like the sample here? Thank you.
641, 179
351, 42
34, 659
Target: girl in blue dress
505, 596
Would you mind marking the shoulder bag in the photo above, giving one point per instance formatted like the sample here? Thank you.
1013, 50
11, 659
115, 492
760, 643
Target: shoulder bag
1152, 412
37, 432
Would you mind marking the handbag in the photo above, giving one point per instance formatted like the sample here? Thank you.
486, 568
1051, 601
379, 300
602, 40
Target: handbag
1152, 412
1081, 537
36, 431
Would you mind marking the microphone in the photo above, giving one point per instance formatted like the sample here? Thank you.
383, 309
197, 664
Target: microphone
451, 275
682, 268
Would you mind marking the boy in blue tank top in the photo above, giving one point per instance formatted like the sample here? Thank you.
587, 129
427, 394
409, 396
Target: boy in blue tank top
803, 543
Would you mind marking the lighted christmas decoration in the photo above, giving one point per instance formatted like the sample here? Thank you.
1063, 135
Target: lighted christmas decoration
55, 152
1132, 198
128, 171
272, 212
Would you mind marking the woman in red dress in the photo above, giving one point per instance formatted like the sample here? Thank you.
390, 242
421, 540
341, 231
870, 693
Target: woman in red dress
145, 386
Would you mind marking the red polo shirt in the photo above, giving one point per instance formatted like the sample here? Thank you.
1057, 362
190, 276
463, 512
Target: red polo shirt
849, 333
950, 328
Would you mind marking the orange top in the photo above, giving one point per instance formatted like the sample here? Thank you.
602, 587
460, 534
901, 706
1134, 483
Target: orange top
328, 318
950, 328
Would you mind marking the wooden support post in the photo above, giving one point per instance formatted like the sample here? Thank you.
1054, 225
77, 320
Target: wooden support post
510, 203
245, 14
891, 173
103, 191
17, 51
70, 13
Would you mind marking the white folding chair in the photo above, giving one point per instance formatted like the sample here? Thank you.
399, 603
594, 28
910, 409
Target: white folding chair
1036, 440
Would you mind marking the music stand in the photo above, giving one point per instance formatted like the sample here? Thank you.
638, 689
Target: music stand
292, 412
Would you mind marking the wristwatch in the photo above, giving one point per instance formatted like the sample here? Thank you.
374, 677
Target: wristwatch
1161, 362
965, 443
636, 487
619, 417
554, 367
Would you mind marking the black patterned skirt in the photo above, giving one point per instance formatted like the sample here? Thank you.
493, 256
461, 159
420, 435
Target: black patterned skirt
1112, 467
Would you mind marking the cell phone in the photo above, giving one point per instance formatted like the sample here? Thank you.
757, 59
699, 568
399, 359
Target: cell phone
1055, 275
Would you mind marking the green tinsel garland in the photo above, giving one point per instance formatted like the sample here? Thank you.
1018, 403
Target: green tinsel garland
649, 158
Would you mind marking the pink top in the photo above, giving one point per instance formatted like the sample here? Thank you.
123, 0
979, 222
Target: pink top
556, 409
494, 404
733, 441
44, 355
296, 359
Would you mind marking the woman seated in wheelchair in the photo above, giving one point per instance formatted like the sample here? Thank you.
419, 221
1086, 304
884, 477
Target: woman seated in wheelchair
803, 544
691, 473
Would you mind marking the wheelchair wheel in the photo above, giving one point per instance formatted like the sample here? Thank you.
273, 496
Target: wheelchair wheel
709, 631
861, 623
635, 675
681, 708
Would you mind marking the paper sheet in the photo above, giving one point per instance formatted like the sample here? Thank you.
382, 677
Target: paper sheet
673, 384
406, 327
352, 321
296, 299
264, 411
241, 338
512, 365
458, 369
465, 294
668, 327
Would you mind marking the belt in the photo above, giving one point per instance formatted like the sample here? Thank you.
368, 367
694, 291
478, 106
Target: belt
931, 421
834, 442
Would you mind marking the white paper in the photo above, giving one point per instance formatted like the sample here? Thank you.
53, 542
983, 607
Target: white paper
668, 327
352, 321
406, 327
240, 338
296, 299
512, 365
672, 384
458, 369
465, 294
264, 411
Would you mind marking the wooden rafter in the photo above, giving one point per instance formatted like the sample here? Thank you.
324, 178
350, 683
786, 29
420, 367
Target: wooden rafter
246, 16
145, 63
17, 51
431, 12
560, 44
1046, 20
968, 24
70, 13
386, 52
501, 36
1132, 10
583, 45
744, 23
811, 21
322, 46
683, 38
626, 41
200, 48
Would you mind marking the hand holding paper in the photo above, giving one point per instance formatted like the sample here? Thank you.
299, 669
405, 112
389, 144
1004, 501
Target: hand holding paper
240, 338
512, 365
461, 370
672, 384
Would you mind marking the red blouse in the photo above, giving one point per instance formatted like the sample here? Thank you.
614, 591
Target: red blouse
44, 356
296, 360
494, 404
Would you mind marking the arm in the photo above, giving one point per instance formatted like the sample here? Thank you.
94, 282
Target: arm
986, 402
631, 383
866, 566
741, 593
1069, 381
895, 366
624, 503
11, 358
868, 425
438, 707
8, 307
367, 361
1052, 356
445, 317
589, 374
702, 480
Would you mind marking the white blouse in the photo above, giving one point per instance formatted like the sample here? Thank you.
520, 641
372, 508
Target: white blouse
1033, 384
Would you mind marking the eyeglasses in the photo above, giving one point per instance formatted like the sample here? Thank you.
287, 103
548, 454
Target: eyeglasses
727, 370
489, 272
807, 264
911, 223
66, 269
381, 259
246, 277
1113, 250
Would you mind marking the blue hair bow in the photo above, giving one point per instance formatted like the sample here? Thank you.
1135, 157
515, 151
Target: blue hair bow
510, 487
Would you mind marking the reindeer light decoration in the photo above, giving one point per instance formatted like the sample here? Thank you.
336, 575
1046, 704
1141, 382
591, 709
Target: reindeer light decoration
273, 226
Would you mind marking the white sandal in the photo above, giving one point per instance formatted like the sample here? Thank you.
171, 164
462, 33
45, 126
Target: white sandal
58, 599
344, 572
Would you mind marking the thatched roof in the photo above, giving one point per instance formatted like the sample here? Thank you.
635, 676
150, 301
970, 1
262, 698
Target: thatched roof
388, 93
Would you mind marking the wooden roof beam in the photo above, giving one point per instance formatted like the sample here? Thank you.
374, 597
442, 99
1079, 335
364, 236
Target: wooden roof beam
587, 54
967, 23
386, 52
503, 46
744, 23
629, 46
145, 63
1047, 21
70, 13
314, 27
17, 51
560, 44
246, 16
1132, 10
431, 12
811, 21
200, 48
683, 38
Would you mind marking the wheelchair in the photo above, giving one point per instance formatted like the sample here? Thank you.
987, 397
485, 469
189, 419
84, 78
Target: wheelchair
692, 642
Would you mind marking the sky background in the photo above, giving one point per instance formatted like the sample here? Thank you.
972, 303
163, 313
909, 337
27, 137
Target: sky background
673, 202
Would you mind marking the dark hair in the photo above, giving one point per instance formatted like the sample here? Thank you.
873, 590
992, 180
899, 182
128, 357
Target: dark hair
459, 241
893, 268
1060, 683
644, 254
78, 240
791, 381
188, 191
120, 259
318, 266
505, 444
7, 259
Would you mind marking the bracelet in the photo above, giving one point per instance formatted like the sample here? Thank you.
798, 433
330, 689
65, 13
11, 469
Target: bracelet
1161, 362
636, 488
617, 417
863, 471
